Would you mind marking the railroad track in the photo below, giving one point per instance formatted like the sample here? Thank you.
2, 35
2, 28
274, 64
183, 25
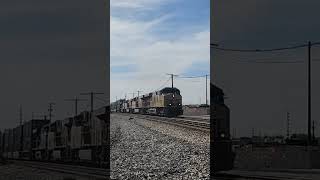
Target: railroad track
98, 173
195, 118
193, 124
252, 175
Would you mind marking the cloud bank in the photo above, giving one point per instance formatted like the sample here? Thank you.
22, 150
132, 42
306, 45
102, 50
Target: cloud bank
141, 56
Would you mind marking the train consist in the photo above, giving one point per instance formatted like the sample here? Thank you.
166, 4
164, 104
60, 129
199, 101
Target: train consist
165, 102
82, 138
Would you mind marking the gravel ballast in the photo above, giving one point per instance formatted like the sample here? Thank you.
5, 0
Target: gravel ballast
142, 149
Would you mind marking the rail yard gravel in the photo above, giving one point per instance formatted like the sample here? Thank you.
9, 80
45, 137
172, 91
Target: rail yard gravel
142, 149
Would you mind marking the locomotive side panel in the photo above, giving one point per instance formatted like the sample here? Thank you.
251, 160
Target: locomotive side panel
157, 100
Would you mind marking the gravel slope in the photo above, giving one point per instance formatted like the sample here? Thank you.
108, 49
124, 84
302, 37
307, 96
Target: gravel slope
142, 149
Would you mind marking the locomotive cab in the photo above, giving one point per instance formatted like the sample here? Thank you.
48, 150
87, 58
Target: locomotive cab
172, 104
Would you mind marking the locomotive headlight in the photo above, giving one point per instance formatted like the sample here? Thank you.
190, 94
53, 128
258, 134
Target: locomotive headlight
172, 95
179, 104
169, 104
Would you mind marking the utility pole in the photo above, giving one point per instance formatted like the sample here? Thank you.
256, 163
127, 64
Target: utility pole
207, 89
91, 97
138, 98
313, 135
309, 93
75, 100
139, 92
172, 79
288, 125
20, 114
21, 129
50, 110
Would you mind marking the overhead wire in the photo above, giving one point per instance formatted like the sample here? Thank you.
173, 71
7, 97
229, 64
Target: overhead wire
101, 101
272, 62
162, 85
216, 46
187, 77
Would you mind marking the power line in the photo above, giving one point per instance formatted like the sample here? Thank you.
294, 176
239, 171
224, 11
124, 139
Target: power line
271, 61
309, 46
139, 93
132, 94
216, 46
75, 100
186, 77
101, 99
91, 97
259, 50
162, 85
172, 75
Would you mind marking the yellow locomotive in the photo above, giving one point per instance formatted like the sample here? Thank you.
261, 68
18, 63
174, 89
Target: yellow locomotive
165, 102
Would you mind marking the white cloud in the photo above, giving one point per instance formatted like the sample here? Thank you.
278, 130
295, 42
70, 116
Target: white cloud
133, 43
133, 4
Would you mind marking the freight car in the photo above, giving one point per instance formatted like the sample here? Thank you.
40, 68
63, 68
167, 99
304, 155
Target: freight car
166, 102
79, 139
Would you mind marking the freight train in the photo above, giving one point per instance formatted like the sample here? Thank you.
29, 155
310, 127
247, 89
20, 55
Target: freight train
165, 102
82, 138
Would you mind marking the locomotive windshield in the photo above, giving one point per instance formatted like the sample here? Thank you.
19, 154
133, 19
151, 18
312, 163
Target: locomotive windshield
217, 95
170, 90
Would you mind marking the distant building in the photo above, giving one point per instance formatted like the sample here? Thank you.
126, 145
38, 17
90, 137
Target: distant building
195, 110
298, 139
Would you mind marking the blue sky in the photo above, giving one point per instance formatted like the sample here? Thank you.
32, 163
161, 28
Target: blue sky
150, 38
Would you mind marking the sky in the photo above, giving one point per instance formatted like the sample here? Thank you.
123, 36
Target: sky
260, 95
50, 51
150, 38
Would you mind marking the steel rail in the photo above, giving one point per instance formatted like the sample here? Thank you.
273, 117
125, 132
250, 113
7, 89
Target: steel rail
68, 169
199, 125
